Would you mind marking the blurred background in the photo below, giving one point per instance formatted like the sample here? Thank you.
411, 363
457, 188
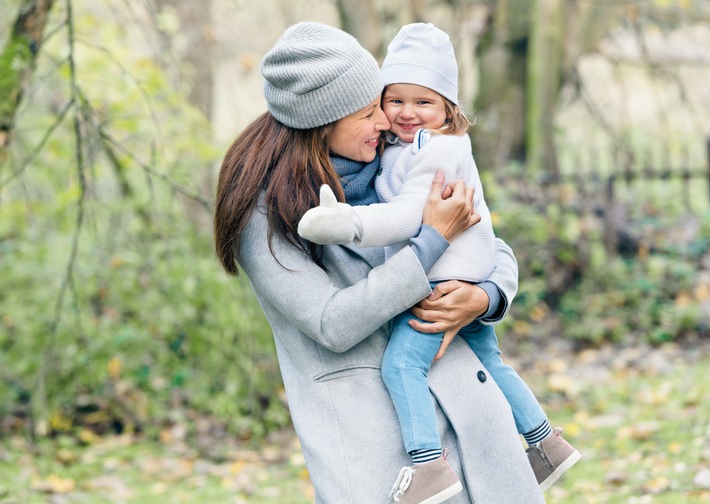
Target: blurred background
133, 370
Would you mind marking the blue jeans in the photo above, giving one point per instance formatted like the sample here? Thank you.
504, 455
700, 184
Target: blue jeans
405, 367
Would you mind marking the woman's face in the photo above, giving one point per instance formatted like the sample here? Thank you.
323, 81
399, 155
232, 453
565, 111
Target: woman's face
357, 136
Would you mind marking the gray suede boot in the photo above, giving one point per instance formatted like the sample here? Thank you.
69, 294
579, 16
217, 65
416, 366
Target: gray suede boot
428, 483
552, 458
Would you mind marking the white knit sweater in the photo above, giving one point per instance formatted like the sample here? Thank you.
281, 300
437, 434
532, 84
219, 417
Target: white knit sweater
403, 187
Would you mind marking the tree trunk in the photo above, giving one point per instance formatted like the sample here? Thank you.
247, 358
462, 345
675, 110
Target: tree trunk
497, 135
17, 62
197, 25
360, 19
529, 52
544, 75
196, 65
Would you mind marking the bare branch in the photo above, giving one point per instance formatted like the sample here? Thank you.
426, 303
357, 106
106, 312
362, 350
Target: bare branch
39, 403
126, 73
35, 152
150, 171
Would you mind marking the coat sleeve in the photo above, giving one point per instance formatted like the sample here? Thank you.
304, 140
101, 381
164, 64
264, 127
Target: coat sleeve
336, 317
505, 277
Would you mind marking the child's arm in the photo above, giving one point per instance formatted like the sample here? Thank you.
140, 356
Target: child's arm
400, 218
332, 222
329, 223
383, 224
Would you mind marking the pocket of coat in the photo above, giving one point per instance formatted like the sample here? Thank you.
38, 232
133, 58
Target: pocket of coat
346, 372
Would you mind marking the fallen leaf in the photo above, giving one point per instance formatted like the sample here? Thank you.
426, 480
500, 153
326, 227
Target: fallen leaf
563, 383
616, 478
114, 368
88, 437
66, 457
237, 467
656, 485
54, 485
639, 432
572, 429
675, 447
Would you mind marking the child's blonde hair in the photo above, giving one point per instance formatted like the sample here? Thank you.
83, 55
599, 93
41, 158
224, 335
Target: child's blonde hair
456, 123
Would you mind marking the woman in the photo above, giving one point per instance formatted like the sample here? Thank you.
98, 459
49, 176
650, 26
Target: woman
330, 306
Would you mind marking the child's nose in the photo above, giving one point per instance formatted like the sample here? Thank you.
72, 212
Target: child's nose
407, 111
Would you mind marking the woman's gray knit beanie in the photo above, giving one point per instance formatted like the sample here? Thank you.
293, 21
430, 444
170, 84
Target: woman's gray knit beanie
317, 74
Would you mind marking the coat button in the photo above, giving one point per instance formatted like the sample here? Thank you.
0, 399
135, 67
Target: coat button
482, 376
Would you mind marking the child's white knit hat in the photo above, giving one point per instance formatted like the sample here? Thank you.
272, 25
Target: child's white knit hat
422, 54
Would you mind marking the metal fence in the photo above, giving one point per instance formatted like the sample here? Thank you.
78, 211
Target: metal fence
632, 205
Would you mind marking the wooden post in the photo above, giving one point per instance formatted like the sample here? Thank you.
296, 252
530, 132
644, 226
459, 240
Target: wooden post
610, 236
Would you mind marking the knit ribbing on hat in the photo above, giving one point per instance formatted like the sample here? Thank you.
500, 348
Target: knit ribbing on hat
316, 74
422, 54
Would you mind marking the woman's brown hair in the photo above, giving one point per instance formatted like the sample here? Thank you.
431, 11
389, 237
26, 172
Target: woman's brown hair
287, 165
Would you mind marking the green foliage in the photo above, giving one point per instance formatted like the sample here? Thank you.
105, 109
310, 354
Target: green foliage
141, 328
14, 60
149, 315
627, 300
648, 291
122, 320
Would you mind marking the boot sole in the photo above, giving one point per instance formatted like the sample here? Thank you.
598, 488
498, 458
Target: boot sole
444, 494
561, 469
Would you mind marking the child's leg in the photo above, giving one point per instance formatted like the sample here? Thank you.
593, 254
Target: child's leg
528, 414
405, 367
548, 453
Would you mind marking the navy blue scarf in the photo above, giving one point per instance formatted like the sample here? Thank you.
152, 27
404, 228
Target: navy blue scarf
357, 179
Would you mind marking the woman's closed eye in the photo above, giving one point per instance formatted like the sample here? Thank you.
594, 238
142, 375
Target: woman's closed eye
371, 112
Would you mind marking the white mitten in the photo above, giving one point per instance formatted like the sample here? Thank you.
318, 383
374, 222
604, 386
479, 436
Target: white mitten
330, 222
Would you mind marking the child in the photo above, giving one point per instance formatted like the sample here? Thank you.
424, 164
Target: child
428, 133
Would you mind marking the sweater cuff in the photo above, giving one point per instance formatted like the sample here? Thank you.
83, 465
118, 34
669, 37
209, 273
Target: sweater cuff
428, 246
496, 302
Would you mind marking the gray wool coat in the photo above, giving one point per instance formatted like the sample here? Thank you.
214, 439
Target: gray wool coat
331, 328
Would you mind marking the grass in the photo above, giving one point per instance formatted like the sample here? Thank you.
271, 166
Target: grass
642, 425
644, 434
126, 469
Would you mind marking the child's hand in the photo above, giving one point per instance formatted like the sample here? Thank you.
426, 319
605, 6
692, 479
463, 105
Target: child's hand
330, 222
450, 210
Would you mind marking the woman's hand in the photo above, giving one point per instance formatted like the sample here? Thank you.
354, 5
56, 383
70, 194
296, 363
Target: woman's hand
451, 305
453, 214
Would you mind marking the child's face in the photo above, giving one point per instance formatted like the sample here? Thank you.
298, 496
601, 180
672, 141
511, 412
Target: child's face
409, 108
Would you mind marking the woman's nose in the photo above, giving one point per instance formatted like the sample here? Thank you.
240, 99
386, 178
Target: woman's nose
382, 121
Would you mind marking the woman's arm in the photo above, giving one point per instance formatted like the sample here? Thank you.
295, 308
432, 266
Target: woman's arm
505, 277
454, 304
336, 317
